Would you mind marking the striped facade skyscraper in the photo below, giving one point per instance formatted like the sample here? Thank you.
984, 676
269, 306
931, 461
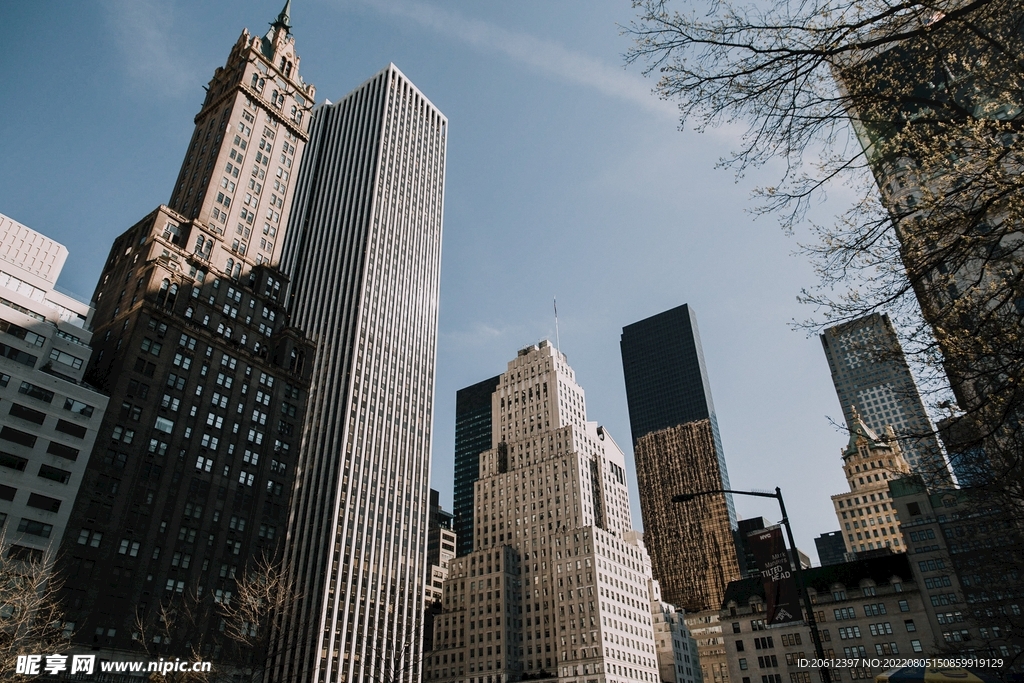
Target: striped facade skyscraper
364, 254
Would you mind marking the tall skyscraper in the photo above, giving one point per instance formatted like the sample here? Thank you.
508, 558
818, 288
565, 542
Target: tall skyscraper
364, 255
49, 418
472, 437
871, 376
678, 449
558, 586
194, 462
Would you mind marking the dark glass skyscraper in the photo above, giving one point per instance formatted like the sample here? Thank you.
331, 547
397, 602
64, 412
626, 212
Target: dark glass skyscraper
472, 437
678, 449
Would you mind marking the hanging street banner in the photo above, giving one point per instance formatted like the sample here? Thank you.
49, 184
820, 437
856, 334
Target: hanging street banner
780, 589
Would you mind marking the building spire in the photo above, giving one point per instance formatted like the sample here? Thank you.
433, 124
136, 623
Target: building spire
284, 18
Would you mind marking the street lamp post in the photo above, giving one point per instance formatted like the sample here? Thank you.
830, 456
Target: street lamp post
815, 636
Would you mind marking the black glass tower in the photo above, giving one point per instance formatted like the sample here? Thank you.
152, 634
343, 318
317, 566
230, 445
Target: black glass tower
472, 437
678, 449
667, 381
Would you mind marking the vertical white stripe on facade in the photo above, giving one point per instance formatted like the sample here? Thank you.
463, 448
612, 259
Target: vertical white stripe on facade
364, 254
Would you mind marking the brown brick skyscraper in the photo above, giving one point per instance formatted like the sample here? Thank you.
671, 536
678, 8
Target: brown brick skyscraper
195, 459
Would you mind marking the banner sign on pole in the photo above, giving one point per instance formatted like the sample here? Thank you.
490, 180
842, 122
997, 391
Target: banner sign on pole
780, 589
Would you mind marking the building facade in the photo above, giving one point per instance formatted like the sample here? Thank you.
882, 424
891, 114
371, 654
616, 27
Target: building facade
441, 548
558, 586
871, 377
831, 547
966, 558
364, 254
472, 437
49, 417
864, 609
194, 463
678, 449
867, 517
678, 661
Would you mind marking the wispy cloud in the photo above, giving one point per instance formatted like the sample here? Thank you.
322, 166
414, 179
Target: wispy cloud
155, 58
545, 55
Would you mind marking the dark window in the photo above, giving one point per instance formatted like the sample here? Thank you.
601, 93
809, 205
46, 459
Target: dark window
31, 526
20, 552
70, 428
62, 451
18, 356
7, 492
42, 502
35, 392
54, 474
914, 508
12, 461
24, 413
17, 436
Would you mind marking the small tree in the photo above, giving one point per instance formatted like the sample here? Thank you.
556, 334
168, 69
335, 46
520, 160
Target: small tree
31, 617
262, 593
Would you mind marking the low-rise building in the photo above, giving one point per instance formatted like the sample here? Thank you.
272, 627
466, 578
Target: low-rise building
678, 660
48, 416
867, 609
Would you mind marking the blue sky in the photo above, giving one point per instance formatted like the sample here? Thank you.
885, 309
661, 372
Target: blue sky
566, 177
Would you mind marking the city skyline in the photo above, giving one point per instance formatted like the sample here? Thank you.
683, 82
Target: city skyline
516, 144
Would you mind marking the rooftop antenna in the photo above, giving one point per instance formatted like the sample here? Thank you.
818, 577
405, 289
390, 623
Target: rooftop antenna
558, 343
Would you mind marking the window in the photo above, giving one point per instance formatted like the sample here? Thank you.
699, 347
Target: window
904, 606
874, 610
59, 356
42, 502
28, 414
14, 462
743, 663
38, 393
881, 629
18, 356
31, 526
162, 424
52, 473
915, 645
78, 407
62, 451
17, 436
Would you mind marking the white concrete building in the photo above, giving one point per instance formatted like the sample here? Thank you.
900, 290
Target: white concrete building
678, 661
363, 251
559, 586
48, 417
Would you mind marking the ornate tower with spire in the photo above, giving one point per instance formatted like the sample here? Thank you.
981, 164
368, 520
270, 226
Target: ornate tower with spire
237, 177
866, 514
190, 479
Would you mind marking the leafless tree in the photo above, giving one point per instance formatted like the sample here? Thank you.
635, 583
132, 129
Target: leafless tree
916, 107
31, 617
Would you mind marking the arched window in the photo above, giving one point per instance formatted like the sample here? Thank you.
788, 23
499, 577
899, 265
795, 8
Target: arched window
237, 271
220, 328
172, 294
161, 296
188, 312
230, 264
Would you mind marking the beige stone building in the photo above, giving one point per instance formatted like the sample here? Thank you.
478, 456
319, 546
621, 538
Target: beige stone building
866, 514
867, 609
559, 586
